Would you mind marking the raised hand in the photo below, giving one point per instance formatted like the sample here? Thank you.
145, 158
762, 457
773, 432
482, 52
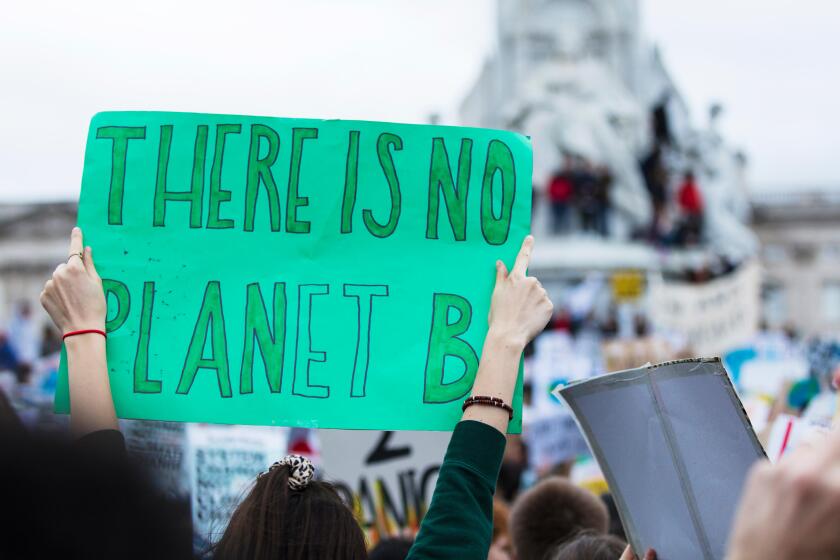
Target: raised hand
520, 308
74, 297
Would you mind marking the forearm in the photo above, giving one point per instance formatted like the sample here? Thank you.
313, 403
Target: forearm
91, 404
496, 377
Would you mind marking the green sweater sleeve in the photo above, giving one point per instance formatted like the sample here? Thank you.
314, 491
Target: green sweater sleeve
459, 523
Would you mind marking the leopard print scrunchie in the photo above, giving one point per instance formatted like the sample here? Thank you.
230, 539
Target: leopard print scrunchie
301, 470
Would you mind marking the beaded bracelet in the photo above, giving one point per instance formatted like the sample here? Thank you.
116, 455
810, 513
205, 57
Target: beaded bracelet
488, 401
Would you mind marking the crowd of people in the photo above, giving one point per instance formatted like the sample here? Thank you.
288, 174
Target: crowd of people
85, 499
23, 343
676, 197
579, 196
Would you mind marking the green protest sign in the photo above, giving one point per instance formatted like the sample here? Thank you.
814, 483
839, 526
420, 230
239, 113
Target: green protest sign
298, 272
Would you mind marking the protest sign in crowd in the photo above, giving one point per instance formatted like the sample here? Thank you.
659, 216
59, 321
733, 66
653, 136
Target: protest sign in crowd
305, 339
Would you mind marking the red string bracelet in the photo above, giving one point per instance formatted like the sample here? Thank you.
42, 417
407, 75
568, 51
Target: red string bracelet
84, 331
489, 401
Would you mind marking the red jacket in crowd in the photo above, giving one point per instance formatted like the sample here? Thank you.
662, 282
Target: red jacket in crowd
560, 188
690, 199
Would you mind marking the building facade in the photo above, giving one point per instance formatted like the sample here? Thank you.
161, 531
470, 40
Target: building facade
33, 241
800, 255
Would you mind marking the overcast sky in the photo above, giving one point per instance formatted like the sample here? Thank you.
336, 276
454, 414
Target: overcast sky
772, 63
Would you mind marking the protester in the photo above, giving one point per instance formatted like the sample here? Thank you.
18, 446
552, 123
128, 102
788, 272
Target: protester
656, 180
691, 206
560, 192
8, 360
690, 199
459, 522
288, 514
589, 545
24, 341
514, 464
587, 196
552, 513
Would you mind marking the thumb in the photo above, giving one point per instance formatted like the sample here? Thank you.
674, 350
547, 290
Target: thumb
501, 272
89, 264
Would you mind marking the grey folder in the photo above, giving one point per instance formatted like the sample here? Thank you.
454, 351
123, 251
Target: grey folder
675, 445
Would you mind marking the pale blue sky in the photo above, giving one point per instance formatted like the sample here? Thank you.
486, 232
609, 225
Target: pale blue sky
772, 63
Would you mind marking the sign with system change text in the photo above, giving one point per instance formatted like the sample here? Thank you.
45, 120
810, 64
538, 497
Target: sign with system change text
298, 272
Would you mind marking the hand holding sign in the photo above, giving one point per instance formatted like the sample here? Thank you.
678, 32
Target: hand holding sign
520, 307
73, 297
75, 301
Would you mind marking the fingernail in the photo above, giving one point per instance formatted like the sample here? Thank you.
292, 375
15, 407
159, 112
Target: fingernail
76, 228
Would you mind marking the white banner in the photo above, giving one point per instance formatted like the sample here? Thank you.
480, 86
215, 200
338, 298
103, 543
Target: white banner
715, 316
553, 439
159, 448
222, 464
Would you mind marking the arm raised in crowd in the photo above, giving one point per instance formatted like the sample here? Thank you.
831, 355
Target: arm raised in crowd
791, 509
460, 519
519, 310
75, 301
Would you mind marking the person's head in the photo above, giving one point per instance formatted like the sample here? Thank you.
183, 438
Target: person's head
689, 176
589, 545
641, 326
551, 513
391, 549
289, 515
514, 464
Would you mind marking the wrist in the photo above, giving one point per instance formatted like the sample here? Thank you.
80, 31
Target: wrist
507, 340
84, 340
